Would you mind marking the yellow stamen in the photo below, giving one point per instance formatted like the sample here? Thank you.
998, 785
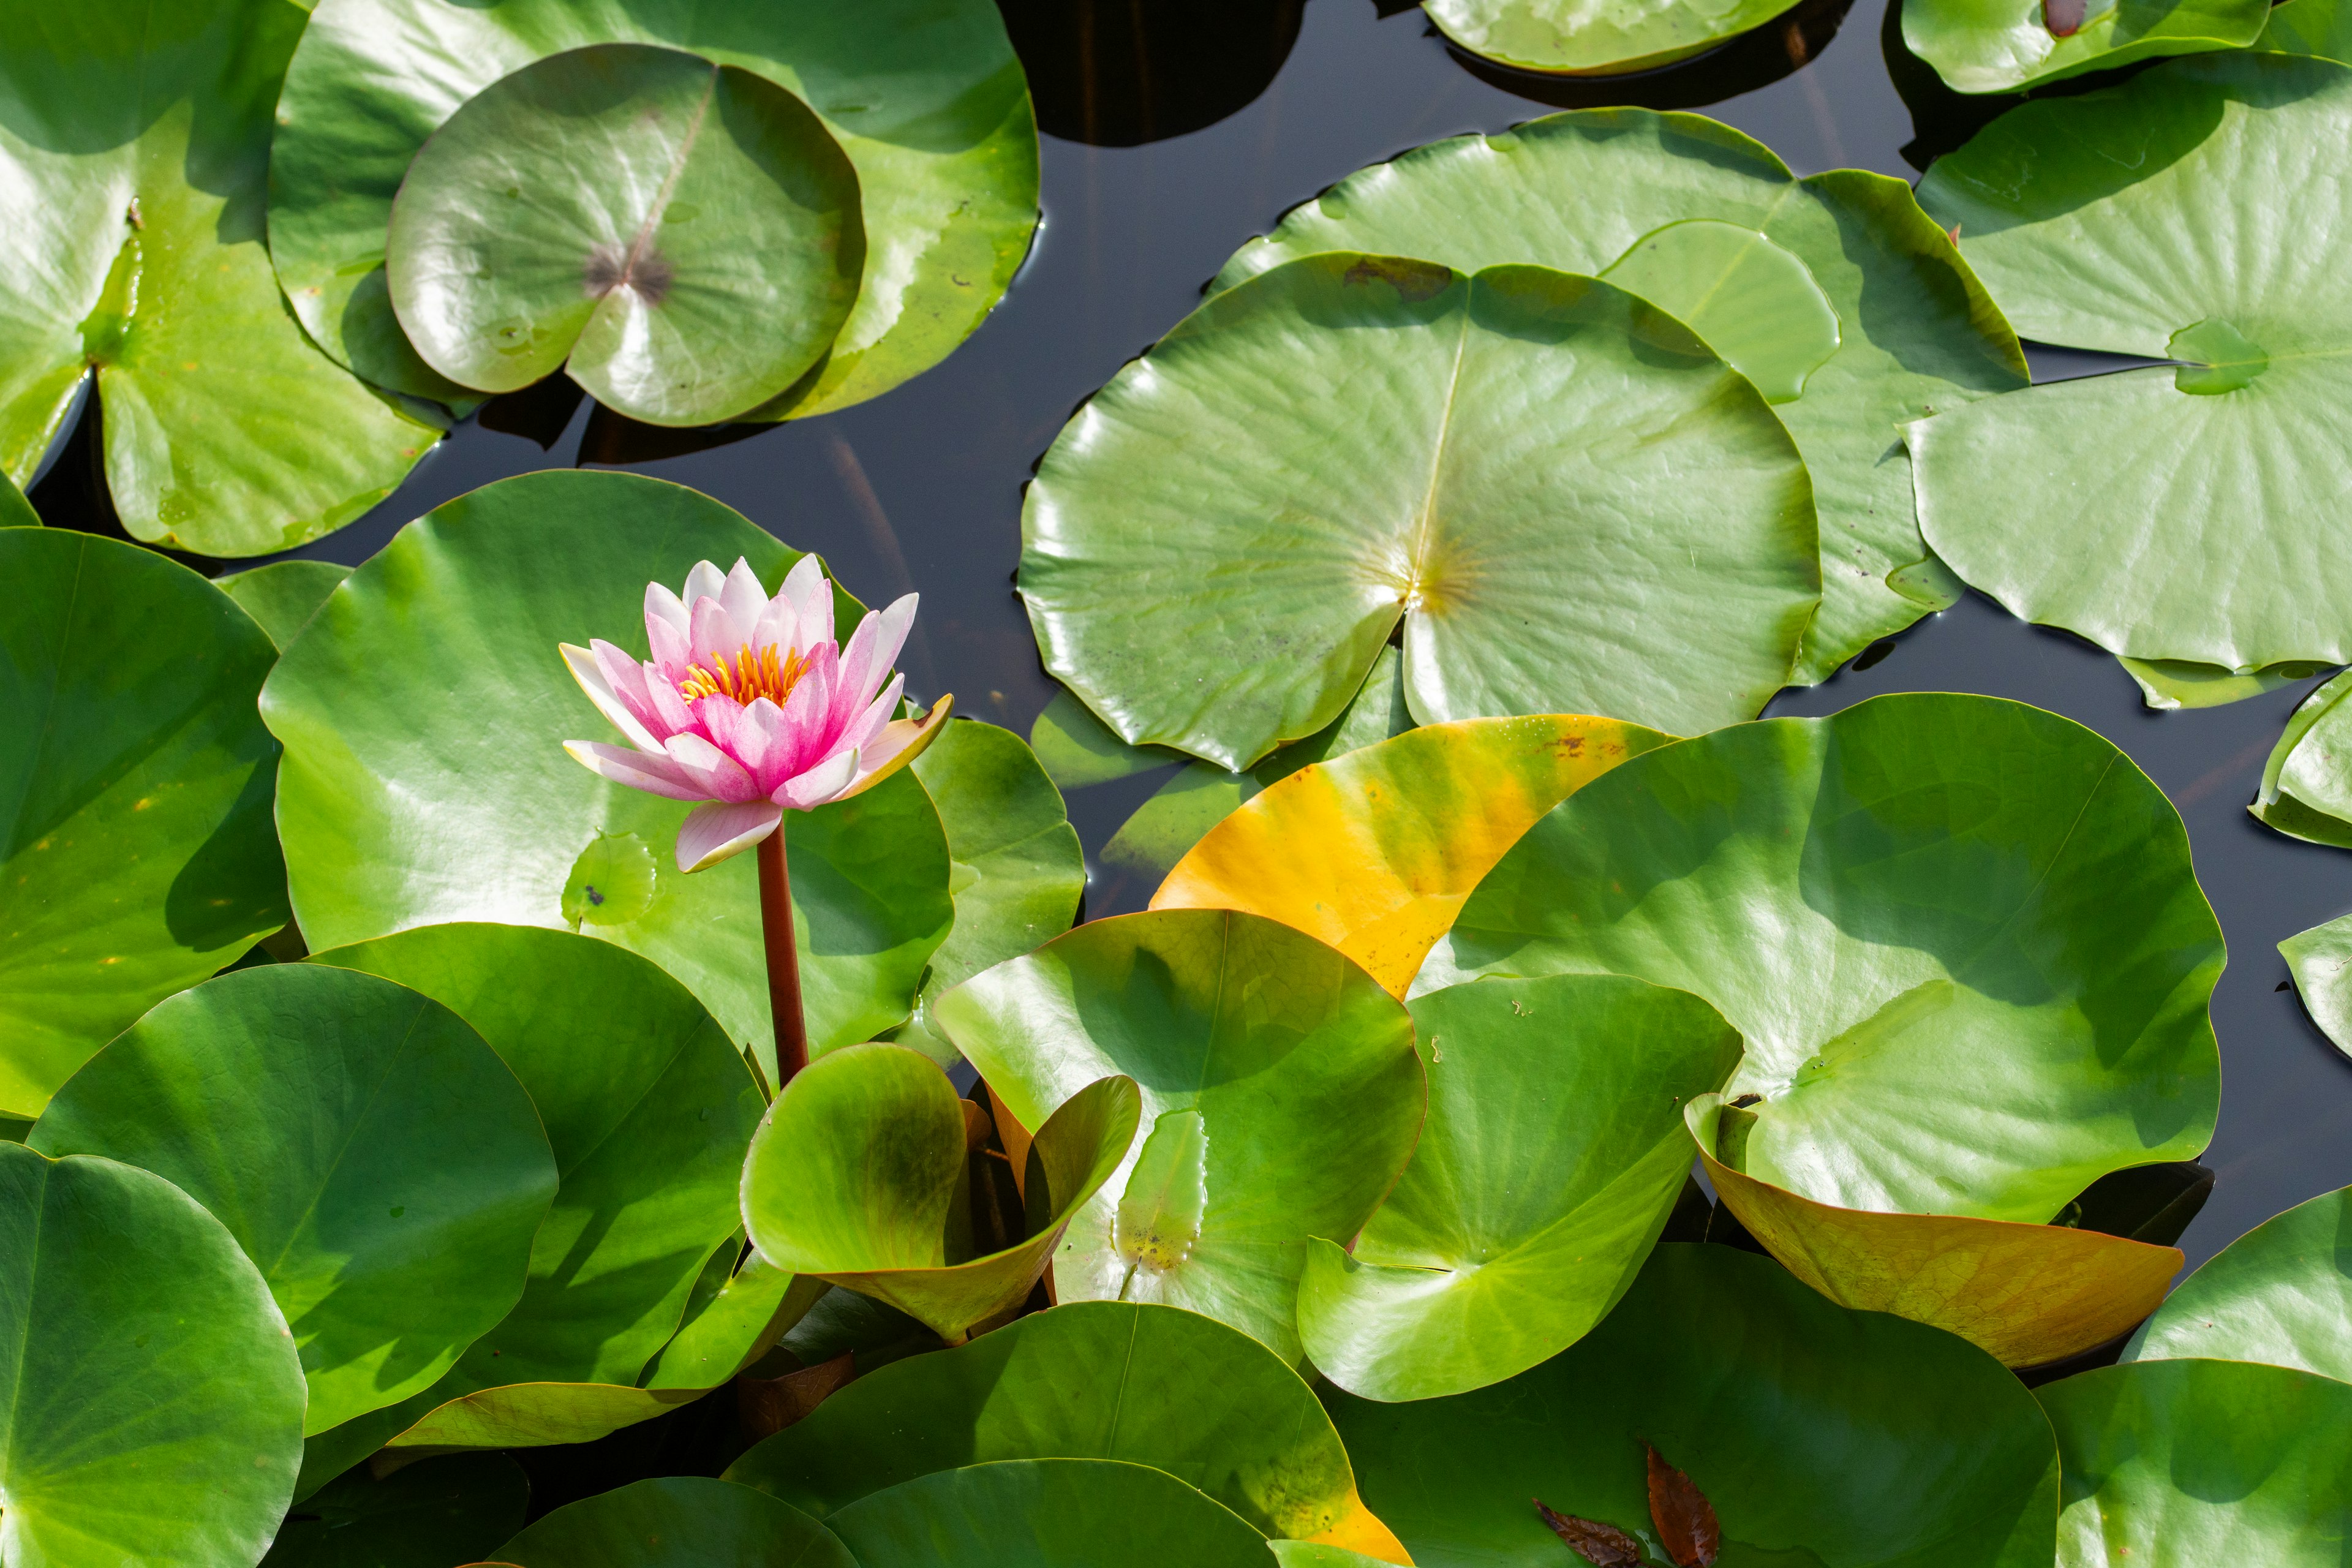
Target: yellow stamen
769, 673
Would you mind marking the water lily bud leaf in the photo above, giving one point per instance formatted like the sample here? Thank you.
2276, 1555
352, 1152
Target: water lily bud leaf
681, 238
154, 1413
375, 1158
2282, 1293
139, 852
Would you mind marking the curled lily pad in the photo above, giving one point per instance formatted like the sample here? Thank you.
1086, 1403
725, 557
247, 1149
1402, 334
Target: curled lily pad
1563, 36
1982, 46
1817, 1435
1281, 1097
138, 853
2306, 788
450, 1510
1046, 1513
926, 99
1375, 851
154, 1413
2318, 959
682, 1522
859, 1176
374, 1158
1928, 338
1353, 442
136, 256
2175, 218
2201, 1461
1552, 1156
426, 781
283, 595
680, 238
2281, 1294
1088, 1380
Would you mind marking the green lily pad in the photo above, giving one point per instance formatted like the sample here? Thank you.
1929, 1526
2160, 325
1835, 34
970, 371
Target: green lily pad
1552, 1156
2182, 216
1046, 1513
1018, 870
2170, 684
377, 1162
1756, 304
924, 96
16, 512
2282, 1294
425, 780
1961, 936
283, 595
1076, 748
2322, 28
682, 238
649, 1109
1221, 541
753, 1306
1819, 1435
153, 1399
683, 1521
1564, 36
138, 149
859, 1176
446, 1510
2317, 960
1985, 46
1929, 337
1281, 1097
1088, 1380
2201, 1461
139, 855
2306, 788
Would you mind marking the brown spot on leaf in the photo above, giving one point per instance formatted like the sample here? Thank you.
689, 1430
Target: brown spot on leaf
2064, 17
1603, 1545
1685, 1519
642, 268
1415, 281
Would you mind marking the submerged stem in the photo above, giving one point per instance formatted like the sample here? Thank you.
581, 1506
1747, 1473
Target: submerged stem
783, 958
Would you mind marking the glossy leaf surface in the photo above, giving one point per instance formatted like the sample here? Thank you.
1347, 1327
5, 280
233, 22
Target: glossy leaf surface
1982, 45
1553, 1152
683, 1521
1374, 852
375, 1160
137, 153
1819, 1435
2201, 1461
426, 781
2306, 788
2282, 1294
2174, 217
283, 595
1089, 1380
152, 1413
2318, 959
1961, 936
924, 96
446, 1510
138, 853
1915, 330
1370, 441
1046, 1513
681, 238
1281, 1097
1563, 36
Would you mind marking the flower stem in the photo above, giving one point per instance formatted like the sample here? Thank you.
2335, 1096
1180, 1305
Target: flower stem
783, 958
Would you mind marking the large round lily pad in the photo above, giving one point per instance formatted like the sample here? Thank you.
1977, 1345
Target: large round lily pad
1088, 1380
1567, 499
1817, 1435
1986, 45
1374, 852
1553, 1153
137, 852
1046, 1513
1281, 1097
924, 96
137, 152
2282, 1294
859, 1175
425, 711
1564, 36
1929, 337
2187, 215
681, 238
151, 1400
378, 1163
2191, 1462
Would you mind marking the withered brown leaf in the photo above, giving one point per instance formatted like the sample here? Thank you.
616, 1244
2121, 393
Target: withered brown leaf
1685, 1519
1603, 1545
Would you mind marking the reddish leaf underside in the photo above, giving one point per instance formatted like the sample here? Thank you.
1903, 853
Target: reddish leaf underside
1685, 1519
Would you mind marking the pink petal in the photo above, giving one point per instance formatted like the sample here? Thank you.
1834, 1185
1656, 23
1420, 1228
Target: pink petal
801, 737
766, 748
672, 713
874, 648
727, 723
720, 776
744, 599
583, 666
819, 783
714, 631
876, 716
664, 607
705, 582
811, 600
712, 833
673, 649
778, 623
627, 678
648, 770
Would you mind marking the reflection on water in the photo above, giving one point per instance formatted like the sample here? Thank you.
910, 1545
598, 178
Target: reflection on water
1119, 73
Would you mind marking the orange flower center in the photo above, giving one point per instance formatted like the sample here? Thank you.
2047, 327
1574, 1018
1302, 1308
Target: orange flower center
747, 677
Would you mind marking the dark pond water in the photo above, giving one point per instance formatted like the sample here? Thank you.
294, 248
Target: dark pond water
1253, 115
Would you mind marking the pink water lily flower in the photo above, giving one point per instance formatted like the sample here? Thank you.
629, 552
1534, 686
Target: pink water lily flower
750, 706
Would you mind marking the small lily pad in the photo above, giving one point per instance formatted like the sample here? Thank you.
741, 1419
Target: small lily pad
2280, 1294
2306, 788
2318, 960
556, 222
1564, 36
1984, 46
